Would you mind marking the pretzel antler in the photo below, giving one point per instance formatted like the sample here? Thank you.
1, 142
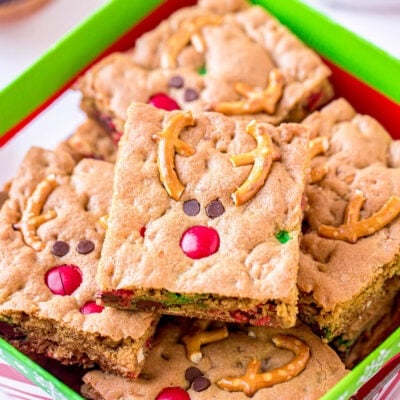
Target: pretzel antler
169, 142
353, 229
193, 341
253, 380
255, 99
31, 217
261, 157
189, 31
318, 146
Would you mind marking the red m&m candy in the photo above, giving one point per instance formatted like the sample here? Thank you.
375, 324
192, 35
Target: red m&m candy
63, 279
199, 241
163, 101
90, 307
173, 393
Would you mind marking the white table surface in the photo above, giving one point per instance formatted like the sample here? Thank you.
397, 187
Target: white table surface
24, 39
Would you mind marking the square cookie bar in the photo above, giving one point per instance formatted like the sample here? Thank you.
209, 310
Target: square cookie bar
228, 57
350, 259
50, 243
205, 217
224, 370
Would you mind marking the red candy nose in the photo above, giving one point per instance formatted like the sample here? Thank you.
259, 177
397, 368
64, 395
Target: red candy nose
199, 241
163, 101
173, 393
63, 279
90, 307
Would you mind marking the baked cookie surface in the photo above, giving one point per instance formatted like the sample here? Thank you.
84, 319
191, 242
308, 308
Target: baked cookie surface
206, 217
168, 366
349, 263
231, 58
50, 243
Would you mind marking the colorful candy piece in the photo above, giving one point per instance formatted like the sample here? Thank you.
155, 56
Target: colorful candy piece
173, 393
164, 102
63, 279
90, 307
199, 241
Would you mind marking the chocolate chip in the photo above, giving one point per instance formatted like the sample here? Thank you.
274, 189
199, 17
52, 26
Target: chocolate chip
148, 304
176, 82
60, 248
201, 383
192, 373
190, 94
214, 209
85, 246
191, 207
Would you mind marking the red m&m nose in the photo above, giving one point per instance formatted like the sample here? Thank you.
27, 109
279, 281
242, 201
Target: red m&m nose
91, 307
173, 393
163, 101
63, 279
199, 241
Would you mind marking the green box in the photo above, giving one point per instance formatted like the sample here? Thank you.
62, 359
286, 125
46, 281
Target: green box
378, 78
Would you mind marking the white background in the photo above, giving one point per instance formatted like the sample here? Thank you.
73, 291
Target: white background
24, 39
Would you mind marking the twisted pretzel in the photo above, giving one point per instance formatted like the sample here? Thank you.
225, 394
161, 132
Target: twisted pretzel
169, 142
189, 31
255, 100
353, 229
261, 158
31, 217
253, 380
200, 336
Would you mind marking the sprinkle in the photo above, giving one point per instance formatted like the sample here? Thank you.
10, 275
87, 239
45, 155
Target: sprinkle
283, 236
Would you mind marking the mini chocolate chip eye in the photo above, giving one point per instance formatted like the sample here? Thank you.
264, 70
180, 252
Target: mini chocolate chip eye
191, 207
214, 209
85, 246
192, 373
176, 82
201, 383
190, 94
60, 248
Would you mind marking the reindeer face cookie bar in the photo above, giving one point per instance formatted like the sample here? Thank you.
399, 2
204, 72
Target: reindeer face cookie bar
284, 362
50, 243
206, 217
349, 264
230, 58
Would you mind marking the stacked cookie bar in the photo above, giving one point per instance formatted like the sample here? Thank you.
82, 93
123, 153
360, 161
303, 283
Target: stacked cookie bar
228, 213
50, 243
223, 56
349, 264
175, 241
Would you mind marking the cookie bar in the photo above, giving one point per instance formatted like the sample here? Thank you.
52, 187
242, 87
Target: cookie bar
350, 260
90, 140
213, 230
169, 371
227, 56
371, 337
50, 243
